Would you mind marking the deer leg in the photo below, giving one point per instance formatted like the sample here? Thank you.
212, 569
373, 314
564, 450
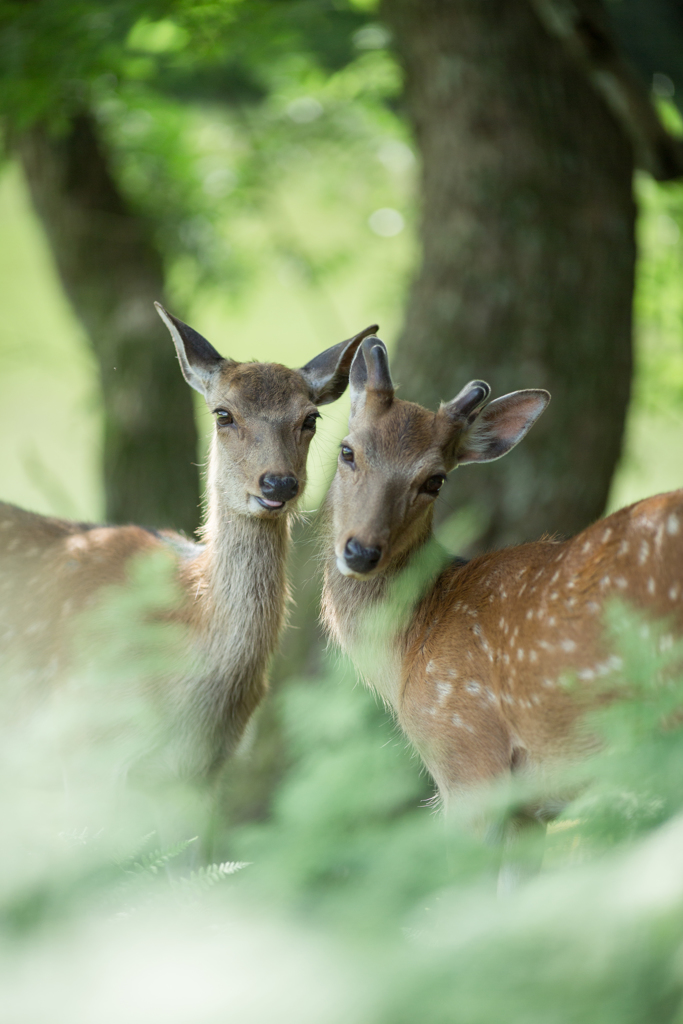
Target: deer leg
522, 839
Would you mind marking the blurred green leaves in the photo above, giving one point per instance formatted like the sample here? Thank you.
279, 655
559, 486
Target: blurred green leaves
206, 107
351, 872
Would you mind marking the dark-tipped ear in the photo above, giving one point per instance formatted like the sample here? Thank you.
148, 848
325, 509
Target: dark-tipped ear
198, 359
500, 426
370, 376
328, 374
463, 409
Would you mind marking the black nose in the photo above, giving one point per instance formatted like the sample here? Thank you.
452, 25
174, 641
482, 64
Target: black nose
279, 488
359, 558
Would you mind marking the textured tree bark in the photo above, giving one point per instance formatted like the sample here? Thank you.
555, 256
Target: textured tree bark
528, 254
112, 274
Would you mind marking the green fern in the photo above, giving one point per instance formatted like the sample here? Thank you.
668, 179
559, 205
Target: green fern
151, 862
206, 877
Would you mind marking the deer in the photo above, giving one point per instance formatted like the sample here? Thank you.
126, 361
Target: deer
474, 663
232, 581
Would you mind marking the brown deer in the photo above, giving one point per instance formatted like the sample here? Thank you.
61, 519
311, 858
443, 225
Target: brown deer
233, 584
474, 673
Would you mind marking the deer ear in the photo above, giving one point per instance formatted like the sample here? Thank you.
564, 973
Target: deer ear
370, 377
494, 431
328, 374
198, 359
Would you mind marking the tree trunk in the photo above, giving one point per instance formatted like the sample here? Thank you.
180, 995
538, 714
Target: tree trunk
112, 274
528, 254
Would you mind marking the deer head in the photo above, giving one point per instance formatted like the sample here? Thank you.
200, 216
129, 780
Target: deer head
265, 416
395, 457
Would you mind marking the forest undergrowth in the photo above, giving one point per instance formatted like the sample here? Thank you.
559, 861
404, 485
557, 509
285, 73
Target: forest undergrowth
126, 896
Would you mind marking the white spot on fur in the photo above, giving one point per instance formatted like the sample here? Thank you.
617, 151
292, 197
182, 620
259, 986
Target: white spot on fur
651, 585
621, 582
568, 645
586, 674
501, 622
530, 614
533, 656
672, 525
605, 582
623, 548
605, 667
586, 548
673, 592
549, 684
431, 666
644, 553
520, 655
472, 686
606, 535
554, 596
443, 689
592, 607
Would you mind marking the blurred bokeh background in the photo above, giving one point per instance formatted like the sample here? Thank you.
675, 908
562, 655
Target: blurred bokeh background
498, 183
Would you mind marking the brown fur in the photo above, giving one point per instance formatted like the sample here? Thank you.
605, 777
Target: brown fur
475, 677
233, 584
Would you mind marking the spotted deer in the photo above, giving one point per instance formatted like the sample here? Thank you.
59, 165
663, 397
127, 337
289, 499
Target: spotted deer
474, 673
233, 583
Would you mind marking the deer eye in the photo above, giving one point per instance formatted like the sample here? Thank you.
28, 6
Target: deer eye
347, 453
223, 417
309, 422
433, 484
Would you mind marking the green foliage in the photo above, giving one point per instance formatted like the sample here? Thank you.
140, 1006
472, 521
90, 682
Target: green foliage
659, 301
360, 902
205, 107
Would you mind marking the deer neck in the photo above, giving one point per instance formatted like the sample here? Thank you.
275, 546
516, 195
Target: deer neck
237, 594
369, 619
243, 581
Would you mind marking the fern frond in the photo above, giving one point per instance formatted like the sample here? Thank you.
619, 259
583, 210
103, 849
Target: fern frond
208, 876
151, 862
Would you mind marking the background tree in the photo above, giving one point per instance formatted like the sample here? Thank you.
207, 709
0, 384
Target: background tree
112, 273
104, 250
528, 243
